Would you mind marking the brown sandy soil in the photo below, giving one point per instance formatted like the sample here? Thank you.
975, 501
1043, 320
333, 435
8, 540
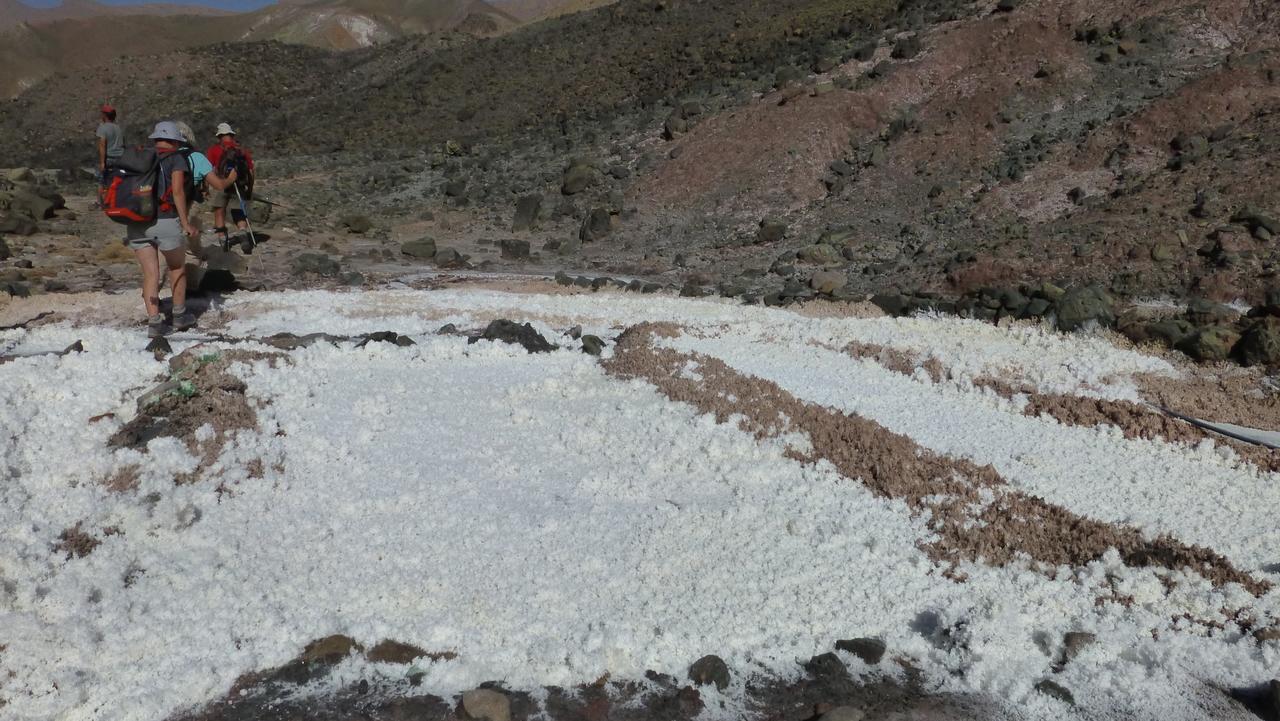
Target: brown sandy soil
1006, 524
216, 398
1243, 396
1135, 420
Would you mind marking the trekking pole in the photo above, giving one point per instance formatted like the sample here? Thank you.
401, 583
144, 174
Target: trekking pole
245, 211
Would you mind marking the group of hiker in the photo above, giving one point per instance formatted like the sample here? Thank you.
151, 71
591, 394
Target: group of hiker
151, 190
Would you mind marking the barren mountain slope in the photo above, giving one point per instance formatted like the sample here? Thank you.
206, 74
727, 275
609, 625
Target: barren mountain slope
13, 12
31, 52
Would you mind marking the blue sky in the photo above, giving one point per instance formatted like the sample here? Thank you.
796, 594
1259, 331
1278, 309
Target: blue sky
224, 4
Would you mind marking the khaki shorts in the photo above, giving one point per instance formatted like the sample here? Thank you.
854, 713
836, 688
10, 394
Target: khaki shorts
216, 199
165, 234
227, 200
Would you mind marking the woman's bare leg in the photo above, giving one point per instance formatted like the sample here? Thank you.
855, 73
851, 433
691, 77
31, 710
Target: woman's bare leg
150, 264
176, 259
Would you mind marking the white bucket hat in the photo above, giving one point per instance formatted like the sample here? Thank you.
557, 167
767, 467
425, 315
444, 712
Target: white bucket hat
166, 130
224, 129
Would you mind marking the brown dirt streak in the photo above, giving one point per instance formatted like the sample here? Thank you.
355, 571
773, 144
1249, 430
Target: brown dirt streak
1012, 524
219, 401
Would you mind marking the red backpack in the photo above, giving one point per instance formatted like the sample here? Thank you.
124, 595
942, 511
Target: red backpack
137, 189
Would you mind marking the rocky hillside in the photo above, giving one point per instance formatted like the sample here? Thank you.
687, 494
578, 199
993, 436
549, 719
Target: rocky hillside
65, 39
14, 12
942, 154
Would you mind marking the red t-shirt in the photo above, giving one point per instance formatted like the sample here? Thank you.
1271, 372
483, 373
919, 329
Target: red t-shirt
215, 154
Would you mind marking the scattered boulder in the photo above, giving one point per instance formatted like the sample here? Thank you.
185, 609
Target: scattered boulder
389, 651
507, 331
820, 254
1074, 642
449, 258
455, 188
894, 304
514, 249
36, 205
827, 282
330, 649
826, 665
527, 209
906, 48
1205, 312
675, 126
870, 650
598, 224
865, 51
577, 177
771, 230
386, 336
422, 249
1056, 690
1210, 344
592, 345
316, 264
355, 223
710, 670
1082, 305
17, 225
486, 705
1253, 219
1260, 344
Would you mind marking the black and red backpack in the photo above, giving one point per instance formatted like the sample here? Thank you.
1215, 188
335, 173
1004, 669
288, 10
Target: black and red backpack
137, 190
238, 159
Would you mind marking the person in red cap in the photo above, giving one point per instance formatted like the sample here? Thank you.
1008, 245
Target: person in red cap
110, 142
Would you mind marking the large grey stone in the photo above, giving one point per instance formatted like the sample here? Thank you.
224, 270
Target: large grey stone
577, 178
527, 208
422, 248
486, 705
1080, 306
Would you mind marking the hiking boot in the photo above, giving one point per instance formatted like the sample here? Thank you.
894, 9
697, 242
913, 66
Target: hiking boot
184, 320
155, 326
247, 244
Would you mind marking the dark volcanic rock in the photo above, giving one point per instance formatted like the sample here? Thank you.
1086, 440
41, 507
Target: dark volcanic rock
598, 224
1082, 305
906, 48
317, 264
449, 258
1260, 344
771, 231
577, 178
423, 248
514, 249
826, 665
357, 223
1056, 690
870, 650
1213, 343
710, 670
510, 332
592, 345
527, 208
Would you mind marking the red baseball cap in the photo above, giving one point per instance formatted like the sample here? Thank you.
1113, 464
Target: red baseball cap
107, 108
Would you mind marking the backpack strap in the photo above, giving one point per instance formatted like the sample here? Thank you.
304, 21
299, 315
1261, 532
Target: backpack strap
165, 192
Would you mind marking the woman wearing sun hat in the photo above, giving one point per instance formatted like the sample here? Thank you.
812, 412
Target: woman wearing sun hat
168, 233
